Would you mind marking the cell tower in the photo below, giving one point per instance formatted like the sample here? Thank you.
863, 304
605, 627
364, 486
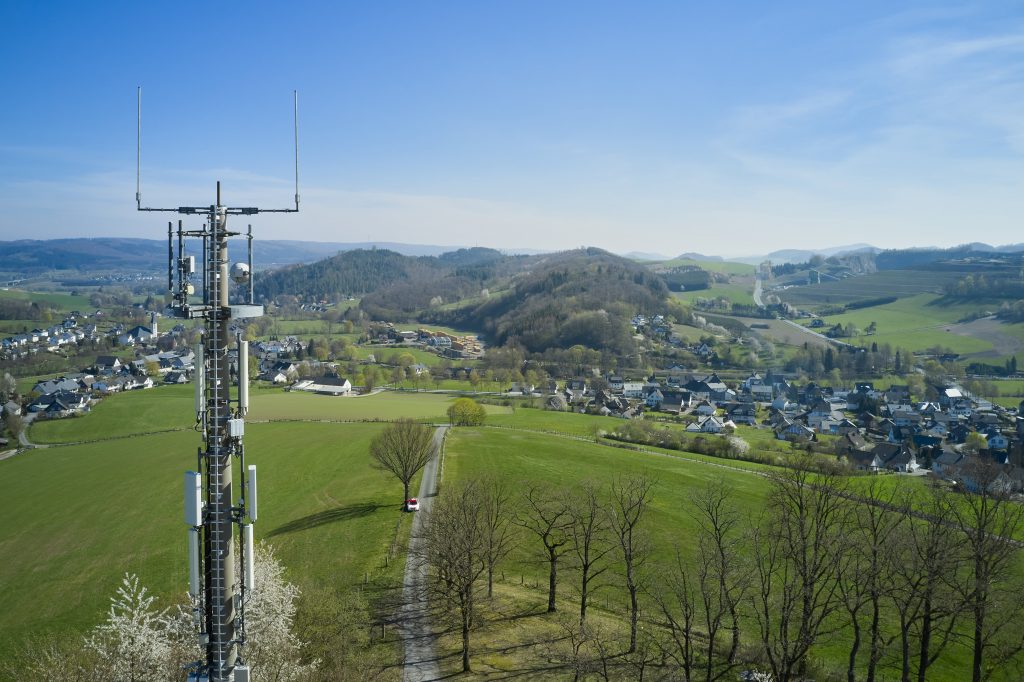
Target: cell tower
211, 508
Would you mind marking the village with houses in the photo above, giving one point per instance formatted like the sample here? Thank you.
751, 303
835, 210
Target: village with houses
868, 429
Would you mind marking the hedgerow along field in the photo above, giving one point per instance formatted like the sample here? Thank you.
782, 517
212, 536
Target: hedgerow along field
76, 518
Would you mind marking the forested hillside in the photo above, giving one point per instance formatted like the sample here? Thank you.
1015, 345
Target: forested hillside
584, 297
350, 273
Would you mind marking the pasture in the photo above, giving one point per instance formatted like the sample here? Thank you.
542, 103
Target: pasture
168, 408
723, 266
916, 322
273, 405
63, 302
77, 517
519, 457
899, 283
562, 464
741, 291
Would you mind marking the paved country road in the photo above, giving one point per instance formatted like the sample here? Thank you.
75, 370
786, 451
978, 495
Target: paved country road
420, 659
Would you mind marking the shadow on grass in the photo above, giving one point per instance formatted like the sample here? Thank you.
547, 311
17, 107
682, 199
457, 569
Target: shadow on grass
353, 511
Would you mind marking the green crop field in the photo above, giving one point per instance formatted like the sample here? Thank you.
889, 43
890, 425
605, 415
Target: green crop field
77, 517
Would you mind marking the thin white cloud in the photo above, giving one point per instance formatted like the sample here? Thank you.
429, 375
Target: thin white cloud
919, 55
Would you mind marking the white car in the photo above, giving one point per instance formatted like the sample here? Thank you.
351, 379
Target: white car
412, 504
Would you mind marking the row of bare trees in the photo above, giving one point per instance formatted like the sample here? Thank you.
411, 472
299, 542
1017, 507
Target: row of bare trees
475, 525
895, 573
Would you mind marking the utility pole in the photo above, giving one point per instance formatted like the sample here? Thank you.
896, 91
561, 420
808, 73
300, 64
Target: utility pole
212, 509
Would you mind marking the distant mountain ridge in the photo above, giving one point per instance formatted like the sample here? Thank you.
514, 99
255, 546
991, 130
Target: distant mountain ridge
803, 255
33, 256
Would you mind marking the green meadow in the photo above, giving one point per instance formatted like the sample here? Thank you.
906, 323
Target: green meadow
521, 458
77, 517
727, 267
63, 302
733, 292
919, 322
166, 408
899, 283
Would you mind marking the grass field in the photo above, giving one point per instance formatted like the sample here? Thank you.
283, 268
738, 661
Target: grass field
556, 422
515, 636
76, 518
11, 327
386, 353
517, 456
900, 283
63, 302
271, 405
123, 414
738, 292
727, 267
916, 322
690, 334
172, 407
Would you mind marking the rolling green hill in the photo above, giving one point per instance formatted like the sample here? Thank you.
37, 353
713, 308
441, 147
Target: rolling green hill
584, 297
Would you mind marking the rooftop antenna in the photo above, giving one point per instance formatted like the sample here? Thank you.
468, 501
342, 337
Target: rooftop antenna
212, 509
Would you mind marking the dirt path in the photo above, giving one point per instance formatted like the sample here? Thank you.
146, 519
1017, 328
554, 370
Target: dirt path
420, 658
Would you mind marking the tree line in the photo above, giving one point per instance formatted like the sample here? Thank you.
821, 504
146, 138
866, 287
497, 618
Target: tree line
896, 577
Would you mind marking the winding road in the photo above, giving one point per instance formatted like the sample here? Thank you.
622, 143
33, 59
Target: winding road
420, 659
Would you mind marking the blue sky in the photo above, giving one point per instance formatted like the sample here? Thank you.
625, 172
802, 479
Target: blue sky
723, 128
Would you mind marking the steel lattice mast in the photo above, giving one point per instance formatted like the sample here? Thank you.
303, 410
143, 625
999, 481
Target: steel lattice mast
211, 507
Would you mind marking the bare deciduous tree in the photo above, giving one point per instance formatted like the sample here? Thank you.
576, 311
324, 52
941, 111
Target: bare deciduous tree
723, 574
797, 558
701, 604
988, 521
865, 574
403, 448
544, 514
675, 594
455, 547
630, 499
499, 537
926, 564
590, 540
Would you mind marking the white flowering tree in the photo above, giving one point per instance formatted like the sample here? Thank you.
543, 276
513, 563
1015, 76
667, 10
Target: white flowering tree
133, 642
140, 642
